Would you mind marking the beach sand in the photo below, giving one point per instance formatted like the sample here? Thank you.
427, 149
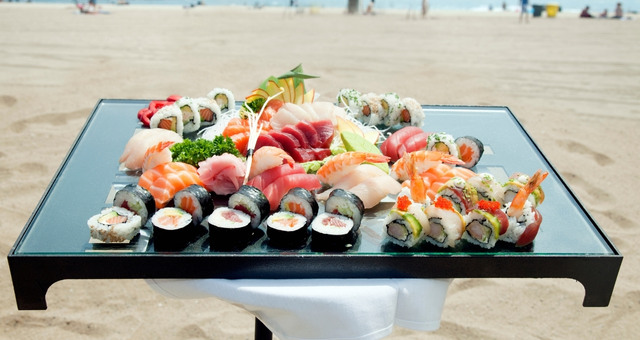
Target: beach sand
572, 83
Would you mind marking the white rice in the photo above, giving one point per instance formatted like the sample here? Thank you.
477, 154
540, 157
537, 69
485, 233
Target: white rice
319, 224
273, 221
217, 218
184, 218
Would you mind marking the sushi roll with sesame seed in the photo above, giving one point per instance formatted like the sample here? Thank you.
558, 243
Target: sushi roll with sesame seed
114, 225
446, 225
190, 114
168, 117
208, 110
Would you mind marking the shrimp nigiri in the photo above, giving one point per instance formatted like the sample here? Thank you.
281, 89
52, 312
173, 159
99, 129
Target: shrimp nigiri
342, 164
268, 157
156, 155
419, 162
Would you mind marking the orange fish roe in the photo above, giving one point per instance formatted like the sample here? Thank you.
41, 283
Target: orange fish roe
443, 203
488, 205
403, 203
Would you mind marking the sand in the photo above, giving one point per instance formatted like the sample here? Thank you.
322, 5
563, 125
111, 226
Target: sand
572, 83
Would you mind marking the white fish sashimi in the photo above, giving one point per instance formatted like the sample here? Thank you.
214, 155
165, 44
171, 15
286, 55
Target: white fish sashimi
368, 182
327, 111
290, 114
373, 190
283, 117
136, 147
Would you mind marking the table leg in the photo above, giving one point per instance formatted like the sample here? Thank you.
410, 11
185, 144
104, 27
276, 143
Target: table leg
261, 331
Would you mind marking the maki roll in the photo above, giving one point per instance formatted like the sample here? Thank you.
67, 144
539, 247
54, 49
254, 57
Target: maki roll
168, 117
351, 100
136, 199
195, 200
523, 228
229, 228
345, 203
173, 229
471, 149
444, 143
223, 97
391, 108
332, 232
463, 196
371, 110
287, 230
485, 224
251, 201
487, 187
446, 225
300, 201
518, 181
190, 115
407, 223
114, 225
208, 110
411, 112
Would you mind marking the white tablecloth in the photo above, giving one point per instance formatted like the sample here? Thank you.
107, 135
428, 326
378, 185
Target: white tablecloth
325, 308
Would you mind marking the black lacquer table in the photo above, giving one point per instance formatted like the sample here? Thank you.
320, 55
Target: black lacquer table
55, 244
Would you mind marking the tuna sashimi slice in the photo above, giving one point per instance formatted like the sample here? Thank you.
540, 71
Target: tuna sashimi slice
309, 132
322, 153
267, 177
325, 131
265, 139
390, 146
302, 155
413, 143
276, 190
300, 136
288, 141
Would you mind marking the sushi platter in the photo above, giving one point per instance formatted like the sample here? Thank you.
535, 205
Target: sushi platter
55, 243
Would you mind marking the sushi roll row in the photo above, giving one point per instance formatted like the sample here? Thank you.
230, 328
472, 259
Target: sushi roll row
385, 110
187, 115
468, 148
298, 218
478, 210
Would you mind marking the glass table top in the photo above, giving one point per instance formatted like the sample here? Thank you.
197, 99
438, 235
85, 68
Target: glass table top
91, 173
